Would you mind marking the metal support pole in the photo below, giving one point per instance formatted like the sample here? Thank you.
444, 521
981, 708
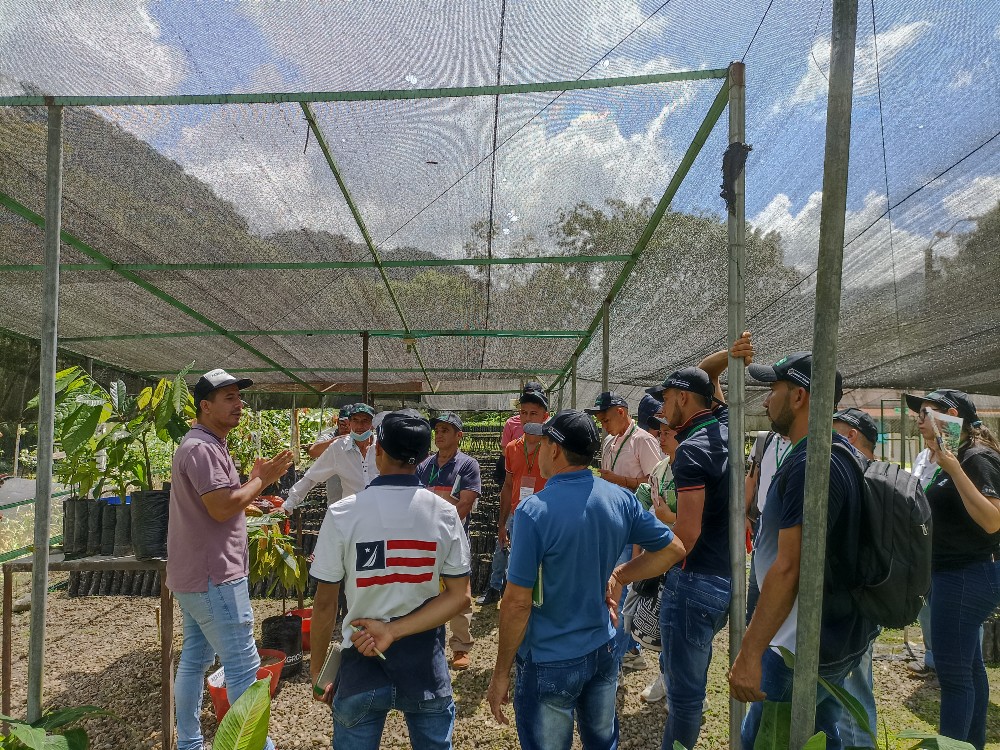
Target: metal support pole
572, 393
824, 366
737, 378
46, 411
904, 429
364, 365
606, 346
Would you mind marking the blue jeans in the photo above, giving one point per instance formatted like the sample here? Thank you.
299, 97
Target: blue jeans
924, 618
549, 695
501, 556
693, 610
218, 621
962, 601
776, 683
358, 720
859, 684
623, 638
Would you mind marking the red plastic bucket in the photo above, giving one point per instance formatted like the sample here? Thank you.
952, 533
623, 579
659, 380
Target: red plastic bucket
217, 680
306, 615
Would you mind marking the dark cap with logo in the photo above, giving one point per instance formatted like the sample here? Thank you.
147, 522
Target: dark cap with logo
947, 398
534, 396
795, 368
361, 408
692, 379
607, 400
345, 411
215, 379
859, 420
405, 435
448, 417
649, 407
573, 430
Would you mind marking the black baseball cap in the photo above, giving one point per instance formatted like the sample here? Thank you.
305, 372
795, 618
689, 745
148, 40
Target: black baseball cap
533, 385
859, 420
361, 408
649, 407
607, 400
692, 379
949, 398
534, 397
215, 379
574, 430
405, 435
795, 368
449, 417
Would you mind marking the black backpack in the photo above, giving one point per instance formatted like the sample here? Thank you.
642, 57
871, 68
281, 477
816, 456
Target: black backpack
892, 571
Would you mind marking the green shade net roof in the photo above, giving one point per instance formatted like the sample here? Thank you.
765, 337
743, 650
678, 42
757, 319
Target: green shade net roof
233, 215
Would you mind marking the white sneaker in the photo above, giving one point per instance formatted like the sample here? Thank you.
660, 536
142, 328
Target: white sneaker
633, 661
655, 691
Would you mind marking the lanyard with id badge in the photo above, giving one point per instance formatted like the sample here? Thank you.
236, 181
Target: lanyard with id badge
527, 488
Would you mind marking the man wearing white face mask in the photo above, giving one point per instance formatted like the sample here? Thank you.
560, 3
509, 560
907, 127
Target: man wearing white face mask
347, 457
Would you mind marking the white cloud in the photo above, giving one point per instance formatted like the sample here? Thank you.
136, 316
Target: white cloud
962, 79
868, 260
975, 197
85, 48
891, 43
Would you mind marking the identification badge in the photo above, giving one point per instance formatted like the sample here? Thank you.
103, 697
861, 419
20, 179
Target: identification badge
527, 489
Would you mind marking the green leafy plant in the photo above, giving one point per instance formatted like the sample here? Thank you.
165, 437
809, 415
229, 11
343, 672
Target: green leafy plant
51, 731
273, 556
107, 436
244, 727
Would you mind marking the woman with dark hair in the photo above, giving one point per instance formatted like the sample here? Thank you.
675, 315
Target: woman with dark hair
964, 495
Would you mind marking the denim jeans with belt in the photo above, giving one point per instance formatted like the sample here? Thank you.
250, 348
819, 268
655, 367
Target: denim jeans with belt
692, 611
501, 556
548, 696
358, 720
859, 684
961, 602
217, 621
776, 683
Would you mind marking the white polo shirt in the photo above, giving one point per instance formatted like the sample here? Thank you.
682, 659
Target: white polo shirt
390, 545
342, 459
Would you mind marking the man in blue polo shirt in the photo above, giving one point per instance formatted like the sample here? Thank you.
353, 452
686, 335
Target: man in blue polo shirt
454, 476
557, 613
759, 670
696, 598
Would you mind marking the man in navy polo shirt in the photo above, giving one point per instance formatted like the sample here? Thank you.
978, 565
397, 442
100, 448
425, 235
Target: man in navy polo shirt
454, 476
402, 557
562, 593
759, 670
696, 598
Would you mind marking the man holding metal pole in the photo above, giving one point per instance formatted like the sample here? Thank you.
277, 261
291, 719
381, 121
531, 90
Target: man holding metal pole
759, 670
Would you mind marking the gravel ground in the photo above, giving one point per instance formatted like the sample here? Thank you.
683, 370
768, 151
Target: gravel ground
105, 651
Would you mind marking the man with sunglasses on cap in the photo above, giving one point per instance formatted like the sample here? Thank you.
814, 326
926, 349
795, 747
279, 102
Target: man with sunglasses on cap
759, 670
347, 458
454, 476
401, 555
522, 478
695, 599
207, 558
554, 618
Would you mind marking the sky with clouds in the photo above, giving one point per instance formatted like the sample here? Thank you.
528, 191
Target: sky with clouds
420, 171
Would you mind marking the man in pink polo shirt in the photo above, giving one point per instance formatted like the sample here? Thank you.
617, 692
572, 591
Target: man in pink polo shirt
207, 560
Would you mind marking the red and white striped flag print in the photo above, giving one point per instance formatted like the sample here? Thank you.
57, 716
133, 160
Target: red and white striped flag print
395, 561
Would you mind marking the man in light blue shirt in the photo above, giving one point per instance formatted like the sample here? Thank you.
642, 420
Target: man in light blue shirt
557, 616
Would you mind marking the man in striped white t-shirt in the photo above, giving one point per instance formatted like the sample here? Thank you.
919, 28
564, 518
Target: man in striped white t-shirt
402, 556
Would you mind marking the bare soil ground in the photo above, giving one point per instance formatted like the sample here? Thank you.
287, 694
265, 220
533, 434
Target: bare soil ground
105, 651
